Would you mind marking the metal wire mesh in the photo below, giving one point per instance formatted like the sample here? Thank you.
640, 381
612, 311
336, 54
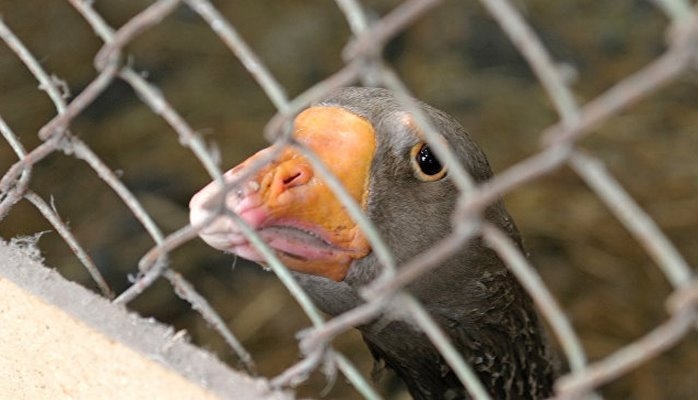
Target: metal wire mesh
363, 63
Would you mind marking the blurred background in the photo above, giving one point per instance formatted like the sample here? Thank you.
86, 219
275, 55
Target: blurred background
455, 58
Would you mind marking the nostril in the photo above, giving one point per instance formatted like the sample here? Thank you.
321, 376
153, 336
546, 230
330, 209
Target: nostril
290, 175
288, 180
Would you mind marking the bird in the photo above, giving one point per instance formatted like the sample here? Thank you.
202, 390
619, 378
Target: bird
374, 147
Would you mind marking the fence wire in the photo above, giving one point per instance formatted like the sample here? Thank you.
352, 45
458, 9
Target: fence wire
364, 64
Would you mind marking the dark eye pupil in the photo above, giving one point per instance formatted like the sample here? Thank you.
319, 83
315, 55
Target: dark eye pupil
427, 162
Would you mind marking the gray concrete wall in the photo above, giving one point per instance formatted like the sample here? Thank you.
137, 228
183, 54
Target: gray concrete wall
59, 340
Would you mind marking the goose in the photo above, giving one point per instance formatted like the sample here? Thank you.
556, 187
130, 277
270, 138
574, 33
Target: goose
378, 153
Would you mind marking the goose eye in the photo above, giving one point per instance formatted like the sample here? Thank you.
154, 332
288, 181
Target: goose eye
425, 164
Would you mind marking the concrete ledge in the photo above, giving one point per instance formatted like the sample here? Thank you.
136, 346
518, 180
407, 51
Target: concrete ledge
59, 341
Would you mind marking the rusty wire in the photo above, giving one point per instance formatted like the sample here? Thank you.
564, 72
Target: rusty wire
363, 64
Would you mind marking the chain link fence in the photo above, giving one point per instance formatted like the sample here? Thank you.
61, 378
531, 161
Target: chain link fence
363, 63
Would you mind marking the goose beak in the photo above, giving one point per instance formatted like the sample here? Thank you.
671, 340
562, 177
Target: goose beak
289, 205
